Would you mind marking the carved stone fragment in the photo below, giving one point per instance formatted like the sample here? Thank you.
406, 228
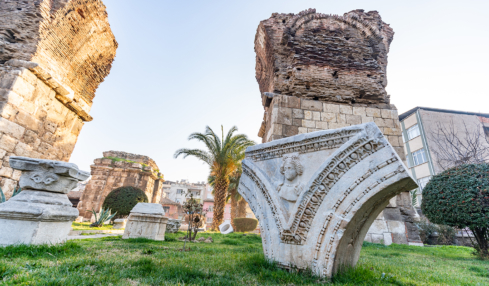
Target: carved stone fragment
173, 225
42, 212
317, 194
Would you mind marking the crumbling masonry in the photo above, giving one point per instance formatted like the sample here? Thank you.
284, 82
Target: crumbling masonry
118, 169
318, 71
53, 56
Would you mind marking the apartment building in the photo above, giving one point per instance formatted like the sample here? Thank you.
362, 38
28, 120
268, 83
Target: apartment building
422, 132
177, 191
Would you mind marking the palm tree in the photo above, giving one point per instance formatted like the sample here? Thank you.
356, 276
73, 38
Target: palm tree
223, 155
238, 203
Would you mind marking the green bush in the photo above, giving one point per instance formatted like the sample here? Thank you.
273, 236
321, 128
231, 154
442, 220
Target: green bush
122, 200
445, 235
244, 224
459, 197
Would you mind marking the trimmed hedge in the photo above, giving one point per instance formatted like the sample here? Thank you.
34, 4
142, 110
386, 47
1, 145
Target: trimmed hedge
459, 197
244, 224
122, 200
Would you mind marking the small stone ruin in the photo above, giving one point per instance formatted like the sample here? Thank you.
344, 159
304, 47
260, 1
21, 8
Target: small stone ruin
146, 220
128, 169
42, 212
317, 194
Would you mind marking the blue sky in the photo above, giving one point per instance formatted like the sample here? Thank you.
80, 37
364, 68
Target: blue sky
182, 65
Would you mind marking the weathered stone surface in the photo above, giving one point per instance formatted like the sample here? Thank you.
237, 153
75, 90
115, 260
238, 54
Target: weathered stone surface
53, 56
47, 175
146, 220
317, 194
148, 208
120, 223
326, 57
108, 175
173, 225
226, 228
42, 212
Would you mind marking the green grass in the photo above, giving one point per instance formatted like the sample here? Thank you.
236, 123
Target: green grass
231, 260
86, 226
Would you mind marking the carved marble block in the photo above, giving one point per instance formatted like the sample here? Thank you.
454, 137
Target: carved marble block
42, 212
146, 220
173, 225
317, 194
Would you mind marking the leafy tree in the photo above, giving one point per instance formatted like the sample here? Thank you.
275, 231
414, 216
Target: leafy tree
459, 197
223, 155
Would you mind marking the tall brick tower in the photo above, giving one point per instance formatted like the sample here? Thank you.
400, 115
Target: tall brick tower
53, 56
319, 71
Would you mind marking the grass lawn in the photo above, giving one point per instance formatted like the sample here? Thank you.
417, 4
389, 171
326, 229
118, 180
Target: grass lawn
86, 226
231, 260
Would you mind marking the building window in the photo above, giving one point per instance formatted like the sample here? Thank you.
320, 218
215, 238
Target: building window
209, 220
211, 209
422, 183
179, 191
166, 209
419, 157
413, 132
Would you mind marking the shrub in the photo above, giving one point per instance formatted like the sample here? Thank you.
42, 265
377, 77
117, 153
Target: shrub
428, 232
122, 200
244, 224
459, 197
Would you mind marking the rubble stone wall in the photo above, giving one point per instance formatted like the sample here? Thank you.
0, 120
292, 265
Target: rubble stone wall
108, 174
53, 56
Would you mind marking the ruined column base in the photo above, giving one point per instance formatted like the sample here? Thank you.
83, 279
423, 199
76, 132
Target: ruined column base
147, 221
36, 217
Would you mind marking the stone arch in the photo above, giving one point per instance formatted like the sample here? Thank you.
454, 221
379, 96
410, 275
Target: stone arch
353, 172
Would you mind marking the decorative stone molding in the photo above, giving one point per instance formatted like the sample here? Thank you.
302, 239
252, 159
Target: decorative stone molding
316, 205
42, 212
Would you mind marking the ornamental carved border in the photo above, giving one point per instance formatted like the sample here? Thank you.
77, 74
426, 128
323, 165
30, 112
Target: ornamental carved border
252, 175
324, 182
322, 142
350, 207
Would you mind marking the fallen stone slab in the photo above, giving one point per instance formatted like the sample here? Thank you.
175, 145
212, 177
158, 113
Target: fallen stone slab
317, 194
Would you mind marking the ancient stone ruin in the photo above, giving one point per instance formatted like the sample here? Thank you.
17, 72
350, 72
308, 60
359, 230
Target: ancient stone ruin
319, 71
53, 56
41, 213
146, 221
119, 169
317, 194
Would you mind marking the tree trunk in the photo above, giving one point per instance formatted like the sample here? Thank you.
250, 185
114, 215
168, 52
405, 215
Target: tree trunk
482, 238
242, 208
234, 206
220, 190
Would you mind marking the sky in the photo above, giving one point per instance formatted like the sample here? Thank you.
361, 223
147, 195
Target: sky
184, 65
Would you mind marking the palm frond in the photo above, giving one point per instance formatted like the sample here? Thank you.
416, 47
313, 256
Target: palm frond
199, 154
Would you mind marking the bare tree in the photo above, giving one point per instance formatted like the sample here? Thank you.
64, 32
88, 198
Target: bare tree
453, 148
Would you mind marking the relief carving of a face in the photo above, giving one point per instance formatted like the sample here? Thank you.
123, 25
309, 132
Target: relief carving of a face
291, 187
